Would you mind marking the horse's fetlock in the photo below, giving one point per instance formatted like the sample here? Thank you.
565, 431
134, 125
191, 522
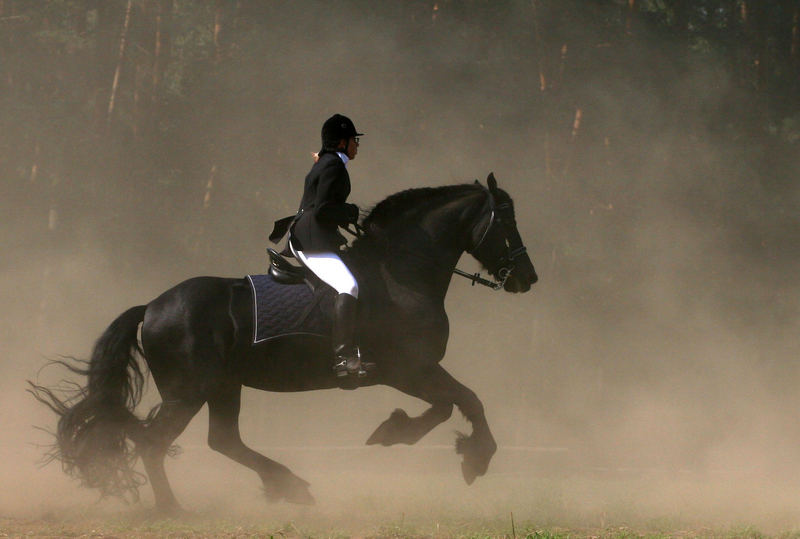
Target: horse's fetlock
443, 412
220, 444
462, 443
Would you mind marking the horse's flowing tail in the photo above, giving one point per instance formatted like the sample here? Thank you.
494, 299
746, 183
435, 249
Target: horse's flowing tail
96, 421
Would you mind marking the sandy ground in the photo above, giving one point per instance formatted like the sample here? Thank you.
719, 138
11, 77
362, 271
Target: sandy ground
402, 491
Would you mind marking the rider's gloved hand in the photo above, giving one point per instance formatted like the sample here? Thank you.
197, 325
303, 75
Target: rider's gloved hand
352, 213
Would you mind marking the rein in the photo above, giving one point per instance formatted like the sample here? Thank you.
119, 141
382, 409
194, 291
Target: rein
476, 278
357, 231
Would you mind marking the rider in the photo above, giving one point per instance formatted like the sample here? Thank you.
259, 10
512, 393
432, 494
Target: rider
314, 238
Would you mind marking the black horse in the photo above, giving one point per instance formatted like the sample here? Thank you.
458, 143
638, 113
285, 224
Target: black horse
196, 339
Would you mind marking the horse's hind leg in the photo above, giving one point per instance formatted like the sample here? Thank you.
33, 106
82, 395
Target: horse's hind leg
153, 442
223, 436
436, 386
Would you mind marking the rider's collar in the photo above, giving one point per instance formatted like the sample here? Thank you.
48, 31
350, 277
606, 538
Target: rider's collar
343, 157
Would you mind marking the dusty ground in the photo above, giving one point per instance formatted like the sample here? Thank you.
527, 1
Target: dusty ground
420, 495
98, 528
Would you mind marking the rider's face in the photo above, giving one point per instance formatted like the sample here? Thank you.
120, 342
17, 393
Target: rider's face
352, 147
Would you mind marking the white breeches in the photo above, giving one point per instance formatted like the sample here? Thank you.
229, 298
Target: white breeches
330, 268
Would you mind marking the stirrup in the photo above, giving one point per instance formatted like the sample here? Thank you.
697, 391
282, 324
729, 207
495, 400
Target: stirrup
352, 365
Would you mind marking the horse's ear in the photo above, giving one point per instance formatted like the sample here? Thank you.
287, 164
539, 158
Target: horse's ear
491, 182
477, 182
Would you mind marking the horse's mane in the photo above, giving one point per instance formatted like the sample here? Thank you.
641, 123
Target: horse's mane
397, 209
399, 203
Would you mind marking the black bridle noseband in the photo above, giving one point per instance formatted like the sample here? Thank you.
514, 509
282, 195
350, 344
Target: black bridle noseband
506, 262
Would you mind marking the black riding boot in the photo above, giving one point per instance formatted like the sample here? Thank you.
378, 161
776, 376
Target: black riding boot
348, 357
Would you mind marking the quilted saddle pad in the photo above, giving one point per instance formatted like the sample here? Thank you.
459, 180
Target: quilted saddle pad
289, 309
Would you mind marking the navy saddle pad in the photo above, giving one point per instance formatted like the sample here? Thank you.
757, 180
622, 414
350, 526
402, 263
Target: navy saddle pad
289, 309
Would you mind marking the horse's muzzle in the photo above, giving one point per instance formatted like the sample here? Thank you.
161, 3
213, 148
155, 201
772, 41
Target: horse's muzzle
521, 277
516, 285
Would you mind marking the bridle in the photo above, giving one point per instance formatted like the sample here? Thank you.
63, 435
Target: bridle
506, 262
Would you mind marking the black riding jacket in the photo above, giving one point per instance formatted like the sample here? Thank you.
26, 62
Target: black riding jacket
324, 207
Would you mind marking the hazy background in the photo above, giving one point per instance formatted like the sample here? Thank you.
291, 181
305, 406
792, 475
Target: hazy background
652, 152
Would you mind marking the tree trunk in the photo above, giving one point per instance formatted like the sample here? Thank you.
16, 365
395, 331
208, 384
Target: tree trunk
761, 52
201, 245
162, 49
79, 17
48, 288
103, 61
573, 138
123, 39
141, 103
630, 17
794, 47
543, 85
733, 38
37, 152
209, 187
7, 12
220, 34
540, 49
682, 20
753, 16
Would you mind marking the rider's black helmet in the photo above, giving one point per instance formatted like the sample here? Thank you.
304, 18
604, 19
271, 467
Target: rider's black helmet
336, 128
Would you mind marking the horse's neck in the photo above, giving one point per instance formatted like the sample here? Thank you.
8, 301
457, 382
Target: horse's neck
420, 256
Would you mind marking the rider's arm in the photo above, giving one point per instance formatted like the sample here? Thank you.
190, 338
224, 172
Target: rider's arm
331, 200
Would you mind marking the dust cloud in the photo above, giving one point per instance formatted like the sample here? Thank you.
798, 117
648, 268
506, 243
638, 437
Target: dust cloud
649, 376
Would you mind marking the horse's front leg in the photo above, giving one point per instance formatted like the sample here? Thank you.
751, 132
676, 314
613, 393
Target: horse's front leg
402, 429
436, 386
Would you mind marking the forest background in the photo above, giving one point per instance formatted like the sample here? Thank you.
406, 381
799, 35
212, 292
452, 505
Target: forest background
651, 147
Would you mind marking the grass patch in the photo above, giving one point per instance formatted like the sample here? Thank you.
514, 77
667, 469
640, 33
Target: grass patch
124, 528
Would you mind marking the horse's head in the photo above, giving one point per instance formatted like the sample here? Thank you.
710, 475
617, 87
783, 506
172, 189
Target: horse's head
497, 243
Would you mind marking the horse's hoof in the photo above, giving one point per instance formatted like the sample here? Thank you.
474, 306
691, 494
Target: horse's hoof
291, 489
301, 497
468, 472
386, 433
477, 455
296, 491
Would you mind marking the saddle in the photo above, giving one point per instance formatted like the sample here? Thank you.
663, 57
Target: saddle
285, 272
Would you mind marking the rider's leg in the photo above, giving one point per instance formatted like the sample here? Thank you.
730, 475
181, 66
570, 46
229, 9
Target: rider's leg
348, 358
330, 268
